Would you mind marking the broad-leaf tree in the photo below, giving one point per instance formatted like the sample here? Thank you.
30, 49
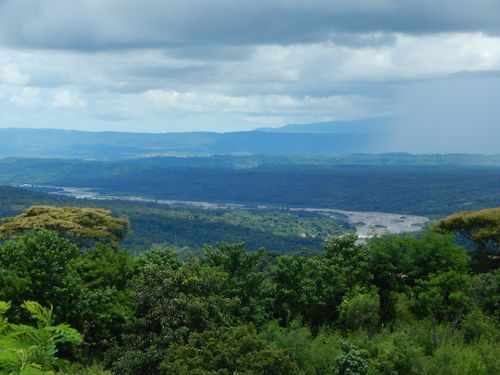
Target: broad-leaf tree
233, 350
483, 228
83, 226
171, 303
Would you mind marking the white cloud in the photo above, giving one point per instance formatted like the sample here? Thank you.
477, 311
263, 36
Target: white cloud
26, 97
10, 74
409, 58
269, 109
262, 84
63, 99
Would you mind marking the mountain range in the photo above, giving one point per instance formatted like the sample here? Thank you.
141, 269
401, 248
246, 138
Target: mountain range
328, 138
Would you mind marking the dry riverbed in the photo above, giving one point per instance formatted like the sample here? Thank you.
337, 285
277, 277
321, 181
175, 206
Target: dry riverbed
367, 224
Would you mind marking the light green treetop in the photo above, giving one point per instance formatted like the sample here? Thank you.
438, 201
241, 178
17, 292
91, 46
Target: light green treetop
84, 226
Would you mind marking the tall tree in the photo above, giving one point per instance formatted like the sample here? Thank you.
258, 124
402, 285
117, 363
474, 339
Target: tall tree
483, 228
83, 226
170, 303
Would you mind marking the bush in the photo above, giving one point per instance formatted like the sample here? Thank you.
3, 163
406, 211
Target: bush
227, 351
396, 353
360, 309
352, 361
478, 325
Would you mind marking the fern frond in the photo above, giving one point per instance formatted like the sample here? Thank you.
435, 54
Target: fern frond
42, 314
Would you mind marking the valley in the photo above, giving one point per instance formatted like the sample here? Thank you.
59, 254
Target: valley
367, 224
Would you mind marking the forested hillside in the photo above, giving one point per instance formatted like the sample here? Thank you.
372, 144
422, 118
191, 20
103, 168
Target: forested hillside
407, 184
189, 228
73, 304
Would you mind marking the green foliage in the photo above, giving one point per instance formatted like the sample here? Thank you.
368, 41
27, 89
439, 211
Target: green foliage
170, 304
37, 267
313, 354
28, 349
313, 287
89, 290
477, 325
485, 292
83, 226
398, 305
400, 263
384, 264
310, 288
482, 227
352, 361
234, 350
395, 353
360, 310
453, 359
160, 225
79, 369
444, 297
246, 279
105, 301
161, 257
350, 260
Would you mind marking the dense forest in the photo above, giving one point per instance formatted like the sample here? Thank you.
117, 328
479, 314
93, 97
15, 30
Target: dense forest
409, 304
189, 228
422, 185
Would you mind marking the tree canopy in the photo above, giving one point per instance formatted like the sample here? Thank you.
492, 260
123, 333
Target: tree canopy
399, 304
84, 226
483, 228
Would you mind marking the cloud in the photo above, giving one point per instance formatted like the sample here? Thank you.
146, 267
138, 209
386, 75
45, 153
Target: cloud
63, 99
124, 24
305, 69
10, 74
26, 97
409, 57
269, 109
233, 65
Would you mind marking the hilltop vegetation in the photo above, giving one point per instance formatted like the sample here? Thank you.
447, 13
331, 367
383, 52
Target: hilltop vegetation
396, 305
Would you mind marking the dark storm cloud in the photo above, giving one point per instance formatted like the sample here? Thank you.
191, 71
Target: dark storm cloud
111, 24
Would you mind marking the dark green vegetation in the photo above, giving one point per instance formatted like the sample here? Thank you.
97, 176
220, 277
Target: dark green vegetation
422, 185
191, 228
397, 305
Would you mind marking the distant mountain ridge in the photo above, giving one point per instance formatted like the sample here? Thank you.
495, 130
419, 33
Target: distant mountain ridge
375, 125
52, 143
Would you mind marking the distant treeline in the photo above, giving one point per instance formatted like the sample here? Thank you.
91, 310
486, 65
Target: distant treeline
424, 189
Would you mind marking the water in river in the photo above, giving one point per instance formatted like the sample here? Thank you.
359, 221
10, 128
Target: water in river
367, 224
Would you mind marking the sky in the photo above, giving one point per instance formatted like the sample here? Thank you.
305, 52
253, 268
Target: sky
225, 65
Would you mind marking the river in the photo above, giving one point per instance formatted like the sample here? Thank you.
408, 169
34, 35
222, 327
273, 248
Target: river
367, 224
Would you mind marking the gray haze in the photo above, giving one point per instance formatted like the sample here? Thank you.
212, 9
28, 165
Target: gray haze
161, 66
455, 115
